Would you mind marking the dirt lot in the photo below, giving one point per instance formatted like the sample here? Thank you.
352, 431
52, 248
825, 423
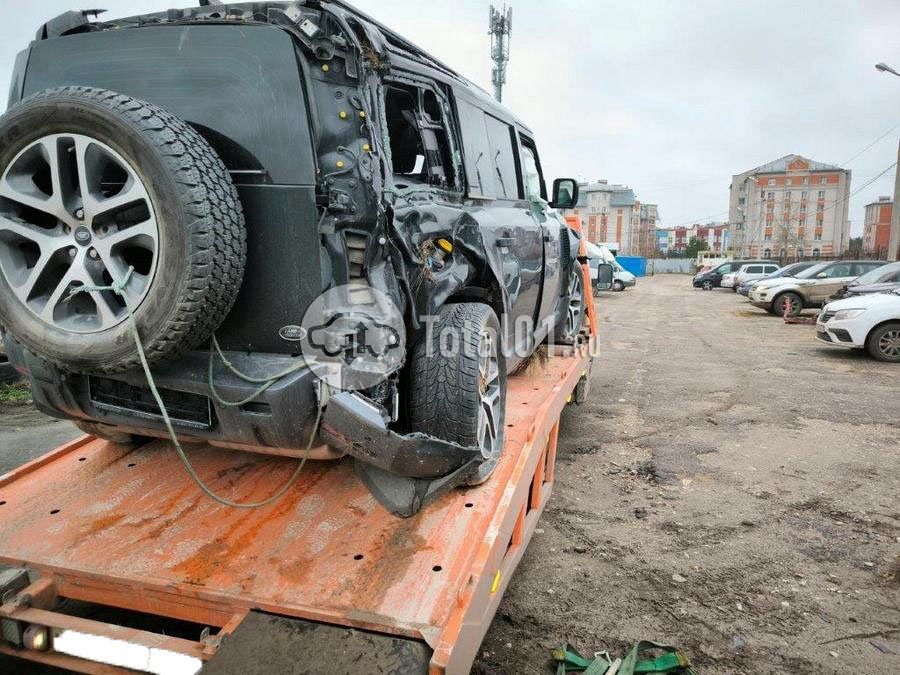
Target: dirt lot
731, 488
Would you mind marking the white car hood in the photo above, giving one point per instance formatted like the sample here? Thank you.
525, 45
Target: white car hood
866, 302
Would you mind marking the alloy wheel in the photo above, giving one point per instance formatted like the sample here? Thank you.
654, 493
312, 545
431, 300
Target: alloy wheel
74, 213
490, 407
889, 344
575, 309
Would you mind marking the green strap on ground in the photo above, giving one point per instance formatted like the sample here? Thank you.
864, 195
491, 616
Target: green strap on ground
672, 661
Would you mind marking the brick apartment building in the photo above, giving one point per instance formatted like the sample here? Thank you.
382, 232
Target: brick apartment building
792, 207
877, 227
611, 214
676, 239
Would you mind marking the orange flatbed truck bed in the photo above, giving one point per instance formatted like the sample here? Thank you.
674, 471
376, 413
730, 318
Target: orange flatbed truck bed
324, 580
127, 528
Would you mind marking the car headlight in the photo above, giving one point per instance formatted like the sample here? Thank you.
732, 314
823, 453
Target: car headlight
844, 314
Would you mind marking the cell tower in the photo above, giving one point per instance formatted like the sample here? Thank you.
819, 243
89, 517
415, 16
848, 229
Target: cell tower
499, 28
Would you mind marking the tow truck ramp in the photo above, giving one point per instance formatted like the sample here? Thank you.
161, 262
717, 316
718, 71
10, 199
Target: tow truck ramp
324, 580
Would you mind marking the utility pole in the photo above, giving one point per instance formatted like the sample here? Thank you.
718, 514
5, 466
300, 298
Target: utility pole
499, 28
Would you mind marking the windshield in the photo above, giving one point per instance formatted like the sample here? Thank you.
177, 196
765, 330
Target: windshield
879, 275
810, 272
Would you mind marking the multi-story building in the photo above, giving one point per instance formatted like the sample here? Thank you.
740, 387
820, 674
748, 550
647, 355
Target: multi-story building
610, 214
676, 239
877, 227
715, 235
790, 207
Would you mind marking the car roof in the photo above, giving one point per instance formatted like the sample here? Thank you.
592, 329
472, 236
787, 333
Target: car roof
404, 53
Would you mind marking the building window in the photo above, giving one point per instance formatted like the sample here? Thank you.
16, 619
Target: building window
821, 194
768, 236
787, 195
803, 195
799, 252
817, 236
741, 200
820, 207
823, 180
771, 181
815, 253
767, 253
771, 195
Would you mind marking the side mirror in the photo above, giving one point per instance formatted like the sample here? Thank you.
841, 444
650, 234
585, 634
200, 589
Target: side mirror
604, 280
565, 193
821, 275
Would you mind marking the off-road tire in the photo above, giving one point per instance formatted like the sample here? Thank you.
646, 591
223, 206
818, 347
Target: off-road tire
872, 342
202, 239
443, 394
780, 301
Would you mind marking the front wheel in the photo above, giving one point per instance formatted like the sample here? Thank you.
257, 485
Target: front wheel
457, 383
788, 304
883, 343
570, 325
618, 286
707, 285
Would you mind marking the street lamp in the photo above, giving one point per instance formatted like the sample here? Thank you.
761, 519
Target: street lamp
885, 68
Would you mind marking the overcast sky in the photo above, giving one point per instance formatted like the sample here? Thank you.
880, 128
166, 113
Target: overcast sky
669, 97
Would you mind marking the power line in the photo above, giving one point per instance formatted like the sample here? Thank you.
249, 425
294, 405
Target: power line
870, 144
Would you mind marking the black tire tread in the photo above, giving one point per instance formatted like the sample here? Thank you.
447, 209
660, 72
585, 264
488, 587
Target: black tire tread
216, 234
443, 393
870, 340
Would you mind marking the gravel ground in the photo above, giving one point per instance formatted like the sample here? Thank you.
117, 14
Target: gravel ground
731, 488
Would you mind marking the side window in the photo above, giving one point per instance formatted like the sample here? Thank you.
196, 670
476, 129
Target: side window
476, 150
842, 270
420, 148
770, 268
502, 160
863, 268
531, 171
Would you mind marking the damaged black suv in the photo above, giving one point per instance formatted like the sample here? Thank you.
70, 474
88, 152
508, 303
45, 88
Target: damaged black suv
204, 175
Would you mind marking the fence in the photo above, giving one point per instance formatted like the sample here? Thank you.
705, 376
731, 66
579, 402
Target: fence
671, 266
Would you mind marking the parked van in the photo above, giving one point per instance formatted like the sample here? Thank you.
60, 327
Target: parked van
598, 253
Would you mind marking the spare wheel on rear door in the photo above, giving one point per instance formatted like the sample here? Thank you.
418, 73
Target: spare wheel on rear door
95, 188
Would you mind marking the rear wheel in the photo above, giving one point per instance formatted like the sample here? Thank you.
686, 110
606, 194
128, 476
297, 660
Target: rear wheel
787, 304
457, 386
883, 343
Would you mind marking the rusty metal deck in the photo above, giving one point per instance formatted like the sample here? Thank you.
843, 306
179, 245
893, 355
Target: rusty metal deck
129, 529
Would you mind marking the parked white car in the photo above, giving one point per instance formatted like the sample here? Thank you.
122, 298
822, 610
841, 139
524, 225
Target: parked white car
747, 273
870, 322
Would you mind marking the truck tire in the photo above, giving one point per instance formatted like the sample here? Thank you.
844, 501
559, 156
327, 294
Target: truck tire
883, 342
787, 304
618, 286
93, 184
457, 382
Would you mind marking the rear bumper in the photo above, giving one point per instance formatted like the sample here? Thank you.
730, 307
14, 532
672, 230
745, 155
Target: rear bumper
280, 420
